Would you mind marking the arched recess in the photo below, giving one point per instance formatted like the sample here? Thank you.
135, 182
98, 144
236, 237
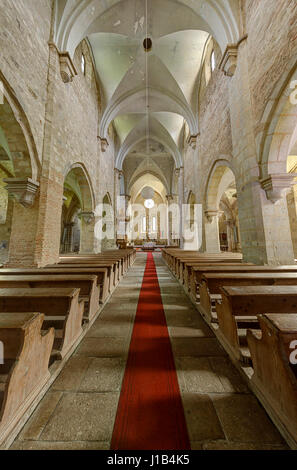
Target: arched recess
19, 174
15, 128
77, 19
221, 210
191, 202
107, 241
148, 224
280, 126
77, 210
278, 150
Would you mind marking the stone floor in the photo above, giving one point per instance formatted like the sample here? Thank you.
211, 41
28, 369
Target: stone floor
78, 411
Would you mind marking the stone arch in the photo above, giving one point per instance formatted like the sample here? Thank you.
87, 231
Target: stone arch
19, 175
280, 126
17, 130
221, 211
78, 208
145, 172
212, 190
84, 187
157, 133
161, 100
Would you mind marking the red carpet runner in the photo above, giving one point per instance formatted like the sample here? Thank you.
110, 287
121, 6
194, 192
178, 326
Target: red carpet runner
150, 414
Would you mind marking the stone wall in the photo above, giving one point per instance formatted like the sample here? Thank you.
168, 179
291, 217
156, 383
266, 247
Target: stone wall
63, 119
232, 117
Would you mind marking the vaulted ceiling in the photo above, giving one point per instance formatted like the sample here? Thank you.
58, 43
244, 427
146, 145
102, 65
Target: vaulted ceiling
150, 97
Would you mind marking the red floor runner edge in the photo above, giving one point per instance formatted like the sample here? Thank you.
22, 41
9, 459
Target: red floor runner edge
150, 414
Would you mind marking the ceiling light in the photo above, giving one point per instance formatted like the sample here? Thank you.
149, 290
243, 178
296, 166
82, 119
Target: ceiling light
149, 203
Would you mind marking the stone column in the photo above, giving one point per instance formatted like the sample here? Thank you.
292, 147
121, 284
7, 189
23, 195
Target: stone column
169, 199
87, 232
292, 211
230, 234
68, 240
180, 173
127, 217
117, 190
211, 228
23, 194
262, 210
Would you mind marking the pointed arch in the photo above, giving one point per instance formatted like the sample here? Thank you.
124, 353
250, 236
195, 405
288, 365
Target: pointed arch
280, 126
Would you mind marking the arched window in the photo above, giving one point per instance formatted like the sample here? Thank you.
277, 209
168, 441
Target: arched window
83, 64
212, 61
144, 224
154, 225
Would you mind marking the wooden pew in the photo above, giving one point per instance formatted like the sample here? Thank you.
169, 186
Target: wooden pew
25, 369
103, 275
275, 379
172, 257
197, 272
61, 306
209, 288
87, 285
186, 265
124, 257
239, 308
191, 267
204, 258
90, 268
120, 269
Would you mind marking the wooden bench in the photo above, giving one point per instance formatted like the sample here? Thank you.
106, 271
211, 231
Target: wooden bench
238, 310
197, 272
25, 369
120, 269
203, 258
124, 259
112, 272
102, 274
190, 268
186, 268
209, 288
172, 257
87, 285
275, 378
61, 306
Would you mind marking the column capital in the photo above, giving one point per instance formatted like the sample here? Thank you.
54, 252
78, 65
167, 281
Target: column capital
179, 171
118, 172
276, 185
211, 214
67, 67
228, 62
169, 198
87, 216
103, 143
192, 140
23, 190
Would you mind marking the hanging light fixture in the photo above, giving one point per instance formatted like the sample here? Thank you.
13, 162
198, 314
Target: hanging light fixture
147, 192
